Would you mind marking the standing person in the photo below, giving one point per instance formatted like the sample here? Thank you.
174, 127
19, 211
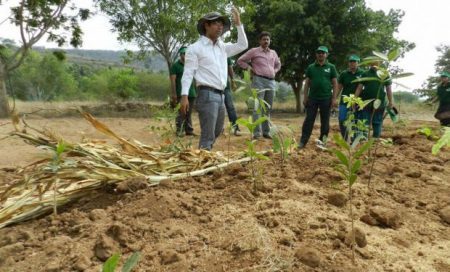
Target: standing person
206, 62
443, 95
183, 121
346, 87
373, 90
263, 64
320, 92
229, 105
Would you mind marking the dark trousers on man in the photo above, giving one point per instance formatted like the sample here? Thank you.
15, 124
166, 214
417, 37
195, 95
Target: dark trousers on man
229, 105
312, 107
184, 121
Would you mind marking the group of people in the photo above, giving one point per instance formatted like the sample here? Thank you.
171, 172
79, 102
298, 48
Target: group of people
207, 62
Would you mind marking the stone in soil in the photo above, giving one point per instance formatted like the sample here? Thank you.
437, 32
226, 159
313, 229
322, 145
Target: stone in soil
360, 238
386, 217
337, 199
105, 247
308, 256
445, 214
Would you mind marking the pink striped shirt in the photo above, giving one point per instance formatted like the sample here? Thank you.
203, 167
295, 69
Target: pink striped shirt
264, 62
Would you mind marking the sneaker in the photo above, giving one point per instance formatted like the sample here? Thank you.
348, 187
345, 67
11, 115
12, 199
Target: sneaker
321, 145
236, 131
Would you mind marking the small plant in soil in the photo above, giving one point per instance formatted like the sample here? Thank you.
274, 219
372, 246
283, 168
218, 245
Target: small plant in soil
168, 130
444, 141
349, 154
427, 132
282, 140
111, 264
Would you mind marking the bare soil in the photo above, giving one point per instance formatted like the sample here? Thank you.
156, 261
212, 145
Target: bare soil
297, 221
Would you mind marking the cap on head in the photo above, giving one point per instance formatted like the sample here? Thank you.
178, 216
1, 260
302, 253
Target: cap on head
182, 50
445, 74
354, 58
322, 48
212, 16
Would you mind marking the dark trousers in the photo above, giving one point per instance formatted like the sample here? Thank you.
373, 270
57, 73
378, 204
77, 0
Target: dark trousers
312, 107
229, 105
184, 122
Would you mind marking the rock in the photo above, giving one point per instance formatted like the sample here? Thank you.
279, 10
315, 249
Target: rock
337, 199
414, 174
169, 256
198, 210
220, 184
82, 263
132, 185
386, 217
97, 214
166, 183
105, 247
436, 168
369, 220
360, 238
308, 256
445, 214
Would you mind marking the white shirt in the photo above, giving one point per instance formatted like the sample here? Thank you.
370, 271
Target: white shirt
207, 62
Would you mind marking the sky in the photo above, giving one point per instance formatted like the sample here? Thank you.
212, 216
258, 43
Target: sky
425, 23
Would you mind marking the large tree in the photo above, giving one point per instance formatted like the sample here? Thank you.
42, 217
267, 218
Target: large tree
35, 19
298, 27
428, 89
162, 25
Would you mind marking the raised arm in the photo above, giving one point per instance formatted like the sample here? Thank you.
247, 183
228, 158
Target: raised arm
242, 43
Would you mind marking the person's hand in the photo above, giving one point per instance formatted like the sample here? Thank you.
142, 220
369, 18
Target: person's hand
173, 101
236, 16
333, 103
184, 104
390, 105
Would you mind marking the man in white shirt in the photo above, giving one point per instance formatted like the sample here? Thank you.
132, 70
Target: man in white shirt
206, 62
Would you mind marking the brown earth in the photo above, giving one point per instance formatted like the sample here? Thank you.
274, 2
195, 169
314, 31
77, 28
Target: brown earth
298, 220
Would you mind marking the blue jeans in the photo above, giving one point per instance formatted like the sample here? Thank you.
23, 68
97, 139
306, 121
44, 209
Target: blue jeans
312, 107
377, 120
211, 113
229, 105
266, 91
343, 115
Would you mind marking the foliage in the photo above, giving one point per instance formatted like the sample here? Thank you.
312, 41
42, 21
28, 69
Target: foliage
444, 141
111, 264
428, 90
427, 132
160, 25
348, 27
405, 97
283, 140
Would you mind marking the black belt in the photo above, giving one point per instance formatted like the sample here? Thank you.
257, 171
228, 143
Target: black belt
204, 87
269, 78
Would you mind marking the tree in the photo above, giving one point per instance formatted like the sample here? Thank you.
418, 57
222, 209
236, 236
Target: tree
298, 27
34, 19
428, 89
162, 25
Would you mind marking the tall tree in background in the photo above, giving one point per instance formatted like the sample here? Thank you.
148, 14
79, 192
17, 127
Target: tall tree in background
162, 25
428, 89
298, 27
35, 19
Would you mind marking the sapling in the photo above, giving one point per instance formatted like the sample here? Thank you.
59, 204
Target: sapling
442, 142
111, 264
282, 140
349, 154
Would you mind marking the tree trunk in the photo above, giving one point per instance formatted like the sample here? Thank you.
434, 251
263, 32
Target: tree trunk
297, 87
4, 104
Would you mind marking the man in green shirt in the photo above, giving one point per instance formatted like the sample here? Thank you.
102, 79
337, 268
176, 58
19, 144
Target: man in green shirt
183, 121
320, 92
443, 94
346, 87
373, 90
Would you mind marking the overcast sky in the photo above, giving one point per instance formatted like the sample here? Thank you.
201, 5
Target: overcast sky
426, 23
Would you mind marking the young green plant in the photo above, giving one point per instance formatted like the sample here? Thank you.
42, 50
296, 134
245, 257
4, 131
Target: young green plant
111, 264
442, 142
349, 154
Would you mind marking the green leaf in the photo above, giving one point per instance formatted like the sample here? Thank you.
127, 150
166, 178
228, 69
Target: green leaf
364, 79
363, 149
260, 121
377, 103
111, 264
356, 166
341, 142
341, 157
60, 147
358, 138
131, 262
276, 144
393, 54
443, 141
352, 180
381, 55
261, 156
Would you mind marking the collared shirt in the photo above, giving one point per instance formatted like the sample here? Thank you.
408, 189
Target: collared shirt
265, 62
177, 69
443, 93
207, 62
346, 78
320, 77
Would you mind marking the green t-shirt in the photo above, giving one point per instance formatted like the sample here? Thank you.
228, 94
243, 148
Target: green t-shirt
177, 70
371, 88
346, 78
443, 93
320, 77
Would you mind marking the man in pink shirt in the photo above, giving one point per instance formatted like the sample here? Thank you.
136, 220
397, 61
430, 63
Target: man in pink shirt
263, 63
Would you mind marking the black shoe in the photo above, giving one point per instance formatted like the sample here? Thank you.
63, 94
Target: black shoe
267, 136
191, 133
